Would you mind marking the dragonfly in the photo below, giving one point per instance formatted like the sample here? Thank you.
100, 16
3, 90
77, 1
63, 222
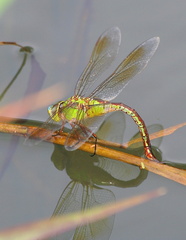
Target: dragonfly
86, 112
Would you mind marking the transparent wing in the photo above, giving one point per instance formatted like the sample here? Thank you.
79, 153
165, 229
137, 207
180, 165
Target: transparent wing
69, 201
78, 197
132, 65
40, 132
113, 128
77, 137
94, 196
103, 54
81, 131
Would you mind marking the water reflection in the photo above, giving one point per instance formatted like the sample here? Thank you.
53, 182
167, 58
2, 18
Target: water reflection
89, 174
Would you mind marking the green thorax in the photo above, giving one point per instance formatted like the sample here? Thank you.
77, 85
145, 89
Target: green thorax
77, 108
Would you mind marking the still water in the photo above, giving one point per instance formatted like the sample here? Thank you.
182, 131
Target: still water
63, 34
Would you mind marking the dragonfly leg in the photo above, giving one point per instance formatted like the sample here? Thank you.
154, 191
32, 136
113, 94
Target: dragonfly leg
78, 136
96, 139
58, 132
88, 134
141, 125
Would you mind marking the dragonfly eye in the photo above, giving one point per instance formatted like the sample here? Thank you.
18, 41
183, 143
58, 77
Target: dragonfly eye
53, 112
61, 104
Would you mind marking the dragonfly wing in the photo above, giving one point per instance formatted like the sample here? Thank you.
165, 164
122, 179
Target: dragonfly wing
69, 201
113, 128
78, 197
95, 196
133, 64
43, 132
81, 131
103, 54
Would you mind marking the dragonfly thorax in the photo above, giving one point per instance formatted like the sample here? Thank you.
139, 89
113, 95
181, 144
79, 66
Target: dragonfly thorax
75, 108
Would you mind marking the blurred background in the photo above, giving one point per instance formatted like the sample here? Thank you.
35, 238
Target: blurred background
63, 34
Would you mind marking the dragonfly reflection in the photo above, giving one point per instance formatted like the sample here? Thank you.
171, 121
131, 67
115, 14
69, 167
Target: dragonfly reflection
88, 175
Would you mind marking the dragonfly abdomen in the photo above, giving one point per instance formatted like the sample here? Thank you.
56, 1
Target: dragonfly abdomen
140, 123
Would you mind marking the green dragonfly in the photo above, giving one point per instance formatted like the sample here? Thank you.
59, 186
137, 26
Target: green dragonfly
85, 113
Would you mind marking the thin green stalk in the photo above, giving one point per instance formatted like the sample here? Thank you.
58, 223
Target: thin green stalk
14, 78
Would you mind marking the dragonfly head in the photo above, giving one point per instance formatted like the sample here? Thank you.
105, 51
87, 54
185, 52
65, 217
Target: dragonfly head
54, 112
